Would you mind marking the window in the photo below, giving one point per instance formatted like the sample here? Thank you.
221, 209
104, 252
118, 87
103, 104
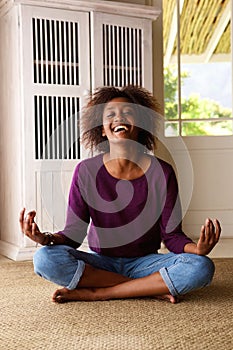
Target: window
197, 67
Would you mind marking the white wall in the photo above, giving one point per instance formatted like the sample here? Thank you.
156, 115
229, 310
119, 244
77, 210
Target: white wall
212, 189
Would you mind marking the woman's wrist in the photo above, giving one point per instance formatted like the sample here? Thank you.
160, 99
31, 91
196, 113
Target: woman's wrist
51, 239
190, 248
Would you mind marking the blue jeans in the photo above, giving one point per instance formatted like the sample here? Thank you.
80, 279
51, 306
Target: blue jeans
181, 273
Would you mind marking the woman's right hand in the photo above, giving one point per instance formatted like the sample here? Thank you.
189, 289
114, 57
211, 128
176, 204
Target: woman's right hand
30, 228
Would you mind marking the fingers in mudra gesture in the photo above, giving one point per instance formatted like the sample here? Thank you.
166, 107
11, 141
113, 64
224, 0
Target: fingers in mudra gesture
29, 227
209, 236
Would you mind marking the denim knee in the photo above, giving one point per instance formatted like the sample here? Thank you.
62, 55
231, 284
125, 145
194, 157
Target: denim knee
199, 273
205, 268
42, 261
189, 272
58, 265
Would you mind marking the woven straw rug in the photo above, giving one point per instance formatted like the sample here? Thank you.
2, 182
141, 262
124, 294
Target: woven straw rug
30, 321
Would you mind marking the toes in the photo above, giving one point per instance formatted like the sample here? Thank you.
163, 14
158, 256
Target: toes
58, 296
168, 297
173, 299
55, 295
60, 299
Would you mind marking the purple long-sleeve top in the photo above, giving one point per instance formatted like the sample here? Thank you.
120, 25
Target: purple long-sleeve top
125, 218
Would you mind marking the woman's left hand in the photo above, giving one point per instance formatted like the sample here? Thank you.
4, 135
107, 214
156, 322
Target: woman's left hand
209, 237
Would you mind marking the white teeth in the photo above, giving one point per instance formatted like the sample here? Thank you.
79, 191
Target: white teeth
120, 127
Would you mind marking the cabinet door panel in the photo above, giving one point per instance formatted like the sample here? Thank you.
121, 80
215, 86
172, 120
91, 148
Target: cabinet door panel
56, 76
122, 48
56, 53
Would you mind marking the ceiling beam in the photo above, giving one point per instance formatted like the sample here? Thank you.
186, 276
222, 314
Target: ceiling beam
172, 35
221, 26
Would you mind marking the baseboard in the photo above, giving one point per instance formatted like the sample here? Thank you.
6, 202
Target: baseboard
224, 249
16, 253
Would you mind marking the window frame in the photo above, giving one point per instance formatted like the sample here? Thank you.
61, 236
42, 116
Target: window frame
180, 120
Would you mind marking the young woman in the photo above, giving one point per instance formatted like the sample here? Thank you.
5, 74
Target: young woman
126, 200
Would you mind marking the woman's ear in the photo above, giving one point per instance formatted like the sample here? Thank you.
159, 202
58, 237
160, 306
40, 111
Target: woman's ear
103, 132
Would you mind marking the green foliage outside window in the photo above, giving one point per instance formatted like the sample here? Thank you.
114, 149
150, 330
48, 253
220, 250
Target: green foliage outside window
193, 108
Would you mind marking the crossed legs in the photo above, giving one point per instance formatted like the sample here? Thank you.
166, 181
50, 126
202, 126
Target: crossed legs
90, 277
98, 284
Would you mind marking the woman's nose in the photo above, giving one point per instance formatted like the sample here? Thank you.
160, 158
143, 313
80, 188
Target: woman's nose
119, 116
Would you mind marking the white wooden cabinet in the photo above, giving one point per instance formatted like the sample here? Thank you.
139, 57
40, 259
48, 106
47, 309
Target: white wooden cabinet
51, 54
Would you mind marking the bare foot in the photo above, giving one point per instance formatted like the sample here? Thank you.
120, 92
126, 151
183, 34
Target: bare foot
81, 294
89, 294
167, 297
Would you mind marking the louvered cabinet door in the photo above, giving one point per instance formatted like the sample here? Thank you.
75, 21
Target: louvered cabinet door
122, 50
56, 76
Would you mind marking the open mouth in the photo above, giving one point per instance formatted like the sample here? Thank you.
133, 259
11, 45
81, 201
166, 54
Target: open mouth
120, 128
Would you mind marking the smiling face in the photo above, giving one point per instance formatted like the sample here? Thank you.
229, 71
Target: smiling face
119, 120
